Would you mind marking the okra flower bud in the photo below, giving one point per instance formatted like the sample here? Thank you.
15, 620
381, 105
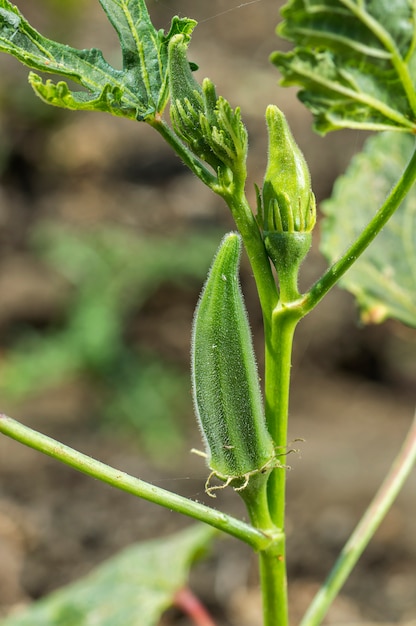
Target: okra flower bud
207, 124
287, 208
225, 381
287, 198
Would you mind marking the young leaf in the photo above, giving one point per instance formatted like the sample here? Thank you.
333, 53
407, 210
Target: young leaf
138, 91
355, 62
134, 587
383, 279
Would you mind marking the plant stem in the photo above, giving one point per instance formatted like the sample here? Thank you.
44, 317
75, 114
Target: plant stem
277, 388
256, 252
195, 165
274, 584
365, 530
334, 273
257, 539
279, 339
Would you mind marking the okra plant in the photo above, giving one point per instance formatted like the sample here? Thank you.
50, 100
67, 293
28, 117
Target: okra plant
354, 61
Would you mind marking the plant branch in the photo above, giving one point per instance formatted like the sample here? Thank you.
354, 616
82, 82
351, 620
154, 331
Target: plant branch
189, 159
338, 269
107, 474
365, 530
256, 252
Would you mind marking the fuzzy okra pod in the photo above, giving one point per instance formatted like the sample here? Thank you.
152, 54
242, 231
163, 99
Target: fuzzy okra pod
225, 380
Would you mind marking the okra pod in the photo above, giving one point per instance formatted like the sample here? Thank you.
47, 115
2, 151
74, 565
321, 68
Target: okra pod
226, 388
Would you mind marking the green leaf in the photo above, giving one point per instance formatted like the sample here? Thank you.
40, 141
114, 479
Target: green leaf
134, 587
354, 61
383, 279
138, 91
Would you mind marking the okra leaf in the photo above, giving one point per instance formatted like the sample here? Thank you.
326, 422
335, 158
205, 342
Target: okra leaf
138, 91
134, 587
383, 279
354, 61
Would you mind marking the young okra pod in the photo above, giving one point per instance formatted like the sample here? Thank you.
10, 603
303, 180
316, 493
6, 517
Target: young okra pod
225, 381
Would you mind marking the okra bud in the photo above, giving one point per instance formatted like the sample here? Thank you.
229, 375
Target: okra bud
187, 102
287, 208
225, 381
207, 124
288, 201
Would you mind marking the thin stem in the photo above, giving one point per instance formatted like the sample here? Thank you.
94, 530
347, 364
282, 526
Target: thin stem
242, 214
83, 463
365, 530
254, 245
190, 160
338, 269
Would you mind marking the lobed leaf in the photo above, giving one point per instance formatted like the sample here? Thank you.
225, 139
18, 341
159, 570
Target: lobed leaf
354, 61
134, 587
138, 91
383, 279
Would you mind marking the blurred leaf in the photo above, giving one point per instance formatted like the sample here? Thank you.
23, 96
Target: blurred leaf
355, 62
384, 278
138, 91
134, 587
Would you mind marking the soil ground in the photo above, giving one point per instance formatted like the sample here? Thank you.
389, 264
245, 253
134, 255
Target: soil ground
353, 387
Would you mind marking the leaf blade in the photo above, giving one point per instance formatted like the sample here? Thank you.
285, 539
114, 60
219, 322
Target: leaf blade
138, 91
383, 279
353, 61
133, 587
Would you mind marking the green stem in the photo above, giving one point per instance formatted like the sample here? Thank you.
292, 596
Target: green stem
256, 251
365, 530
334, 273
277, 388
242, 214
273, 584
279, 339
190, 160
83, 463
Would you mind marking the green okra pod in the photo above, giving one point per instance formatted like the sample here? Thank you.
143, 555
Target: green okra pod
225, 380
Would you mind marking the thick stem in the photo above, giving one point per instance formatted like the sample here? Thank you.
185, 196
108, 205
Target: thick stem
83, 463
274, 585
334, 273
279, 339
277, 387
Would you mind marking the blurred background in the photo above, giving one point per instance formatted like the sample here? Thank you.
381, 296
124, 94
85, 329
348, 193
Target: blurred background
105, 242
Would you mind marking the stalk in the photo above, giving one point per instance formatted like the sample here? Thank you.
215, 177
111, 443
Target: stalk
274, 584
277, 389
277, 386
107, 474
256, 252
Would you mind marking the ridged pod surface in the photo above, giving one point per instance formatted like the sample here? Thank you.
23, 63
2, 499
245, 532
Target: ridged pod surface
225, 380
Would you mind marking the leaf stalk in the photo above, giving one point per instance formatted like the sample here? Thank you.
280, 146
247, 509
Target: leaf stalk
257, 539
